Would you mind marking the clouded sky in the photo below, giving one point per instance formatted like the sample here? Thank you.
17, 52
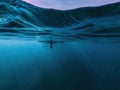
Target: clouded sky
69, 4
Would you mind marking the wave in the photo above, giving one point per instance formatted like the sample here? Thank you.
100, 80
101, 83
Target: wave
29, 20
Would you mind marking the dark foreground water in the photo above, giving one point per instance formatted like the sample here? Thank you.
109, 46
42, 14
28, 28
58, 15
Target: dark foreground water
76, 65
80, 50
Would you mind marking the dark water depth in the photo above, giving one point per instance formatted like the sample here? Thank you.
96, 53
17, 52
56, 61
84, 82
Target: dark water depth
81, 65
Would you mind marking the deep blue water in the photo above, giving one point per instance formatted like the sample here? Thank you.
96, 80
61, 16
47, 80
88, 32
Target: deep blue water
47, 49
76, 65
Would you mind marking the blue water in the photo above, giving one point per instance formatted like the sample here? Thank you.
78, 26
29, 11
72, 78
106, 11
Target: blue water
77, 65
47, 49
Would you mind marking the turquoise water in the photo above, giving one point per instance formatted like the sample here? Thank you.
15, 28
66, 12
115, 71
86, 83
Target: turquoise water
47, 49
75, 65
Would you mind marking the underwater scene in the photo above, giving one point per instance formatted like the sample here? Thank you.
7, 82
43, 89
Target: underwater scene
52, 49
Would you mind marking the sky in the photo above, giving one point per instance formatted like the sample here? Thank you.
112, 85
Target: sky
69, 4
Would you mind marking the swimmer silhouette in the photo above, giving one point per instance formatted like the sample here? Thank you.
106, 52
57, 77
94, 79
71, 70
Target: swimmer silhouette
52, 42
